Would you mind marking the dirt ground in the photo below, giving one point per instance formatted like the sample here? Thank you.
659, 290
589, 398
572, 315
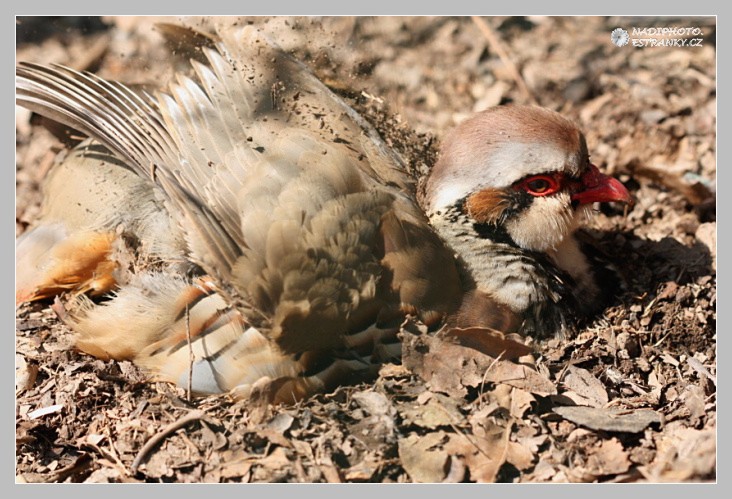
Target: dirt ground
631, 399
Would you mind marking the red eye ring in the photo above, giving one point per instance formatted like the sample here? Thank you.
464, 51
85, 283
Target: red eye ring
540, 185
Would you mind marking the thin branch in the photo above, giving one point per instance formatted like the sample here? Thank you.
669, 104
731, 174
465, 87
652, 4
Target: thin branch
162, 434
190, 354
495, 43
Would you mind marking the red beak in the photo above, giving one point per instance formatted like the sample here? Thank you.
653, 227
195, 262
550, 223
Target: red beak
598, 187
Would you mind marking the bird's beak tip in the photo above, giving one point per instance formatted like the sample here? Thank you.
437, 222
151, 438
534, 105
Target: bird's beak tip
601, 188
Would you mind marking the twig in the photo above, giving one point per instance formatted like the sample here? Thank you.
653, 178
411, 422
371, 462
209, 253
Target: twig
162, 434
567, 365
498, 46
190, 354
458, 431
485, 375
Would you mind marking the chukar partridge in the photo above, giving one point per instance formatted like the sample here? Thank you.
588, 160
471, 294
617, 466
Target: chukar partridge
277, 243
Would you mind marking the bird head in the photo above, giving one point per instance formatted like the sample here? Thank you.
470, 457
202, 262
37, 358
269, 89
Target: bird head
521, 173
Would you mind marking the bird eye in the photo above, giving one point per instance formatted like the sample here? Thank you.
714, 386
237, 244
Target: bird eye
540, 185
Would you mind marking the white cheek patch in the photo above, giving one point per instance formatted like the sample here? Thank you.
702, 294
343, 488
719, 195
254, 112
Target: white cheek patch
449, 195
544, 224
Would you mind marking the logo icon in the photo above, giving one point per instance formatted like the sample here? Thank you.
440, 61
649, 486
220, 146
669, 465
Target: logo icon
619, 37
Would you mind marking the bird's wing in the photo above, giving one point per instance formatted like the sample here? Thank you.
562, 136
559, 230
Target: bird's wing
208, 140
280, 188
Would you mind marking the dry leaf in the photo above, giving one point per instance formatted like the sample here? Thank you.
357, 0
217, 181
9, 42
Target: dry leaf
437, 411
521, 401
374, 431
216, 440
362, 471
544, 472
424, 458
532, 443
393, 371
693, 399
490, 342
683, 453
701, 370
610, 419
279, 459
447, 367
235, 464
105, 475
273, 436
583, 383
281, 423
522, 377
518, 455
609, 459
374, 403
707, 235
483, 455
379, 427
25, 374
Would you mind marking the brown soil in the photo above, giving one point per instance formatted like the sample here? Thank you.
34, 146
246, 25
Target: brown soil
632, 398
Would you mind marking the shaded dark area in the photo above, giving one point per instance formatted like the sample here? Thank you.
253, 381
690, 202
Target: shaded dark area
34, 29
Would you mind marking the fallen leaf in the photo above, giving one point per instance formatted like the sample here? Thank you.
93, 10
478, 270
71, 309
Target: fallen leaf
437, 411
374, 431
701, 370
450, 368
583, 383
105, 475
374, 403
521, 401
235, 464
273, 437
490, 342
532, 443
610, 419
609, 458
378, 427
393, 371
446, 367
216, 440
277, 460
281, 423
693, 399
518, 455
543, 472
522, 377
25, 374
93, 439
424, 458
362, 471
683, 453
483, 455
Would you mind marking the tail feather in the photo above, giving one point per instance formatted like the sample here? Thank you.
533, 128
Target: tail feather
182, 332
186, 333
49, 261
